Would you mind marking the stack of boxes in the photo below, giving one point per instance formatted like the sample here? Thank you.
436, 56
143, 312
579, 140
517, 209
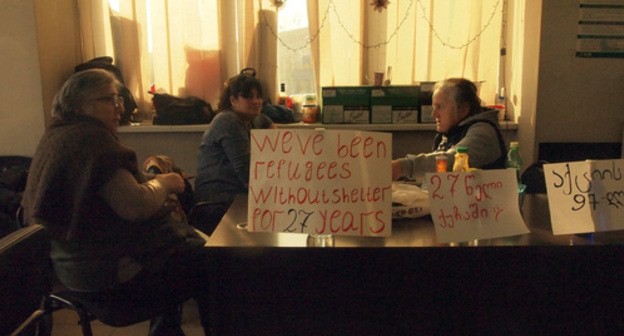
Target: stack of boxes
346, 105
397, 104
426, 107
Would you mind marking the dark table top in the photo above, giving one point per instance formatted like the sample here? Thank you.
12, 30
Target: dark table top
530, 284
418, 232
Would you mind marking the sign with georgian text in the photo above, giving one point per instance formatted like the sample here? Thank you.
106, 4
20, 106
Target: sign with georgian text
478, 204
320, 181
585, 196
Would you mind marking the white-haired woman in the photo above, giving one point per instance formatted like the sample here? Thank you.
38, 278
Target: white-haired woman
460, 121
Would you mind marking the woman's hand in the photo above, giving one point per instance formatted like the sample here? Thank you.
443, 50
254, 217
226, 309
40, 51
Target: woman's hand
397, 170
173, 182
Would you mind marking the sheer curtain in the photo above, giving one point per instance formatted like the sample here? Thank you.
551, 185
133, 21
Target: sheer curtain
422, 40
181, 47
190, 47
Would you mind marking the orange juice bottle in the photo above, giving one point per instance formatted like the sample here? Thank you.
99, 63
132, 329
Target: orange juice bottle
461, 160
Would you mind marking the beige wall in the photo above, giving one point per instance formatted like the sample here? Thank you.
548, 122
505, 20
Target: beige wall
39, 47
579, 99
524, 30
21, 118
58, 41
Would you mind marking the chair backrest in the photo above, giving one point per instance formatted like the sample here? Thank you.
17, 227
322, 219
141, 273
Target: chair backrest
24, 276
14, 171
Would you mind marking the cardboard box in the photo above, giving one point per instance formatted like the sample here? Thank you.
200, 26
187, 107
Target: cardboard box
395, 104
357, 115
405, 115
345, 104
381, 114
426, 93
381, 107
425, 114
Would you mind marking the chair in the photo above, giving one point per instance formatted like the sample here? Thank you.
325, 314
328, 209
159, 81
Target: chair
90, 311
13, 175
205, 216
120, 315
116, 312
533, 178
24, 280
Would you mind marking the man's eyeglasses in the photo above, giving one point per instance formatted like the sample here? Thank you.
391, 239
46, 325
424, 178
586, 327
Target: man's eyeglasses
115, 100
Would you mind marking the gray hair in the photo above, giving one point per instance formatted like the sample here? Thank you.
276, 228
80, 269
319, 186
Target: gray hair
463, 91
78, 89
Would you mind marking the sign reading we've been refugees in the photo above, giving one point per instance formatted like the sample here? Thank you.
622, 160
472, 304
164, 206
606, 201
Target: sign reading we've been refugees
585, 196
320, 181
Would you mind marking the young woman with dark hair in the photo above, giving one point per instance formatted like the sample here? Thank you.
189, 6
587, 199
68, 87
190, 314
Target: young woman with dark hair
224, 154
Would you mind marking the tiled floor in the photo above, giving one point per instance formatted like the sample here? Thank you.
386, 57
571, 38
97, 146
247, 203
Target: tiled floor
66, 324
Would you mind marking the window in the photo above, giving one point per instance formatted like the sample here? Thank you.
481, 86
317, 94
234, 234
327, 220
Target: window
191, 47
293, 49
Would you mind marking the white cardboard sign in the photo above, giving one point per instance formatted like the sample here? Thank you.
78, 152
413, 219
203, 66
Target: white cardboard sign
585, 196
320, 181
480, 204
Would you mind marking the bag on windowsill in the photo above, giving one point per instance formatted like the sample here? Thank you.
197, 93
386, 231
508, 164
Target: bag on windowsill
172, 110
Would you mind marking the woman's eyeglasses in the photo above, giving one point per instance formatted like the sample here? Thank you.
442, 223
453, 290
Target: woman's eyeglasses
115, 100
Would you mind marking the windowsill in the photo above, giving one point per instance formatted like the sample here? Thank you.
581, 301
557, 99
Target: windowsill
147, 127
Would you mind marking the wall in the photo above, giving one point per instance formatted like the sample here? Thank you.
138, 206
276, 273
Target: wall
523, 35
29, 82
579, 99
58, 39
21, 109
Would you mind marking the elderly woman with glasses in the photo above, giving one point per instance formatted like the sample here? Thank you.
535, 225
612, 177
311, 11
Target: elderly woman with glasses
112, 232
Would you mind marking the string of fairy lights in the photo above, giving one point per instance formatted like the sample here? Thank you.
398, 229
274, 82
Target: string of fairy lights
309, 41
470, 40
423, 13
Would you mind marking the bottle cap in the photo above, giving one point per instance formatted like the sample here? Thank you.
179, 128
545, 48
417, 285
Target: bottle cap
514, 144
461, 149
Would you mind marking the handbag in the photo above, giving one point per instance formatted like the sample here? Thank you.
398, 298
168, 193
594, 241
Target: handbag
172, 110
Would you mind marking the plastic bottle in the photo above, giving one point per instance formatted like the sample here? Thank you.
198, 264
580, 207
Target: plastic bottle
461, 160
513, 158
501, 104
283, 98
388, 80
441, 163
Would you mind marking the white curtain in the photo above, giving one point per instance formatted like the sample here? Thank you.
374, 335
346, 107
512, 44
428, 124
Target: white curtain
190, 47
422, 40
181, 47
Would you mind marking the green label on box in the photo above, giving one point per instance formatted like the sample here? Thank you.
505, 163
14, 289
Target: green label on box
346, 95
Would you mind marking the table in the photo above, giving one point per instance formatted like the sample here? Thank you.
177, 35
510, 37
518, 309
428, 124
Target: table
408, 284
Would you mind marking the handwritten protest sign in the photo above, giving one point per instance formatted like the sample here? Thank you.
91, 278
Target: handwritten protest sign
585, 196
320, 181
480, 204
